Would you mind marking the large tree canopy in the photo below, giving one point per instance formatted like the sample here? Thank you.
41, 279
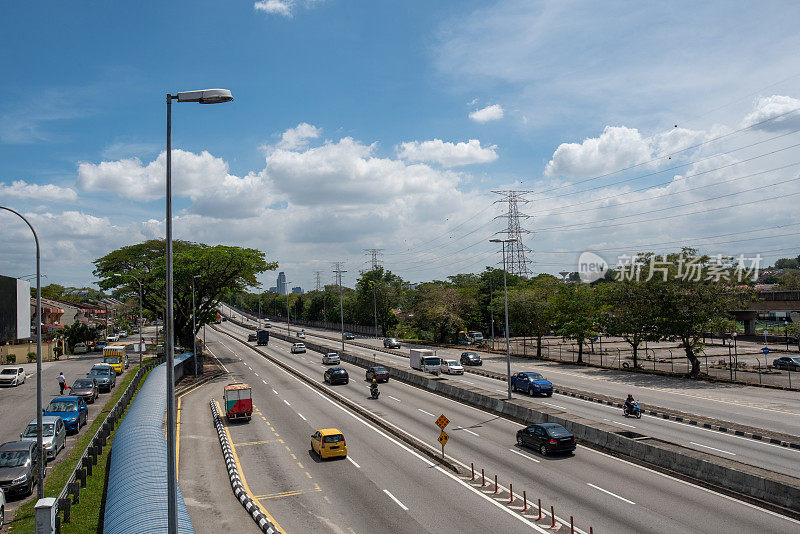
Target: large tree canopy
221, 269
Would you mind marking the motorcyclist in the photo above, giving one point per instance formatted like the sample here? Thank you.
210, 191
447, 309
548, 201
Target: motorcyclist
373, 388
629, 404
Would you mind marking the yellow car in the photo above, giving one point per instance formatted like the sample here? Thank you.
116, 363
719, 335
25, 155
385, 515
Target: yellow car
329, 442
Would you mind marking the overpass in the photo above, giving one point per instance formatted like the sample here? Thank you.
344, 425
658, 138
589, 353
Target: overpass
768, 301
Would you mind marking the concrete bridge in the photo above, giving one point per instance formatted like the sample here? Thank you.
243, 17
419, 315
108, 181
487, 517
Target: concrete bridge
769, 301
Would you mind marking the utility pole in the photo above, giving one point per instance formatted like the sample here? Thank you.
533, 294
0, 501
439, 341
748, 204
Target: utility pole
338, 270
518, 263
491, 301
374, 262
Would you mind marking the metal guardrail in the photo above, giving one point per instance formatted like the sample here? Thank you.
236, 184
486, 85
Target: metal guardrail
83, 468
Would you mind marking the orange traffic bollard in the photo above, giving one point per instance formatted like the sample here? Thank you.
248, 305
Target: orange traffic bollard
591, 530
553, 515
473, 470
511, 492
540, 508
524, 501
495, 483
483, 478
571, 525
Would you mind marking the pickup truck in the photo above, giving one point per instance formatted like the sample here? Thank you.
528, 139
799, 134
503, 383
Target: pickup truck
531, 383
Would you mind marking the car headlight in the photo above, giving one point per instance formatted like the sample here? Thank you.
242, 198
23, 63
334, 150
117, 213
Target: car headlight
20, 480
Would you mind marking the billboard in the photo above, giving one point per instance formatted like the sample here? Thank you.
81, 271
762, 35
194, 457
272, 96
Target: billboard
15, 309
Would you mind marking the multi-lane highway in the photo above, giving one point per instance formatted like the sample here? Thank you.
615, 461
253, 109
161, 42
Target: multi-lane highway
607, 493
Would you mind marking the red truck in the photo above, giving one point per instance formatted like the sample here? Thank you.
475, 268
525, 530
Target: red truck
238, 402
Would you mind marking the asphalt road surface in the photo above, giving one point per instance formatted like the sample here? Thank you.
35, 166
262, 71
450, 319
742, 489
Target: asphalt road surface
601, 491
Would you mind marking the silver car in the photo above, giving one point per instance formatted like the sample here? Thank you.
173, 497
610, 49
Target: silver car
331, 359
12, 376
54, 434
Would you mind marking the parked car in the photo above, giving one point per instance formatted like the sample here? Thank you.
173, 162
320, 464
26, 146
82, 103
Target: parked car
54, 434
298, 347
301, 334
547, 438
105, 376
531, 383
331, 359
86, 388
470, 358
71, 409
790, 363
99, 346
19, 462
12, 376
378, 372
329, 442
336, 375
113, 338
391, 343
80, 348
252, 337
451, 367
349, 335
123, 334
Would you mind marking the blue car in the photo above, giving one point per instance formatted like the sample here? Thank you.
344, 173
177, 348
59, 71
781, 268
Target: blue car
532, 383
71, 409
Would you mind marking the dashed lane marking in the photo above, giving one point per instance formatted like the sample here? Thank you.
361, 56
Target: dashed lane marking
610, 493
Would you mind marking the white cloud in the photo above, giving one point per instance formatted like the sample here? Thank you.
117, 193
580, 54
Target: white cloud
299, 136
22, 190
275, 7
447, 154
783, 109
489, 113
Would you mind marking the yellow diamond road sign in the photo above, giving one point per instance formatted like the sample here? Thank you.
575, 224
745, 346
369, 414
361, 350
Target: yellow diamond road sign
442, 422
443, 437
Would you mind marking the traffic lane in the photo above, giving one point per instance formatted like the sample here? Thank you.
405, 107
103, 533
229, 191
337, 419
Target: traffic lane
202, 475
604, 481
376, 456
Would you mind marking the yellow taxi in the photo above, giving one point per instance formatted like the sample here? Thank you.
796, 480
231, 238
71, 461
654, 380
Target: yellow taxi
114, 355
328, 443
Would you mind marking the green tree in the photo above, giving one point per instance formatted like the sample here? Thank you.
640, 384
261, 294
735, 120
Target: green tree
576, 312
437, 309
78, 332
531, 308
378, 289
223, 270
629, 312
790, 279
788, 263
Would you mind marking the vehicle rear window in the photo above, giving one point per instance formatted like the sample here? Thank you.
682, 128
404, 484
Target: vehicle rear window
339, 372
335, 438
111, 360
379, 370
558, 432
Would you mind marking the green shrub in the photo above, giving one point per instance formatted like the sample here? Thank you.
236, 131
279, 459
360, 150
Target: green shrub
11, 358
31, 357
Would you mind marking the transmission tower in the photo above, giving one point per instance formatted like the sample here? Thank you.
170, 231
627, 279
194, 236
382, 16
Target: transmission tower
318, 280
374, 262
516, 261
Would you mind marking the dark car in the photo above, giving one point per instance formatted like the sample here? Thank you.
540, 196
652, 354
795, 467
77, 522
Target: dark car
252, 337
349, 335
790, 363
391, 343
470, 358
86, 388
547, 438
99, 346
71, 409
104, 375
379, 373
531, 383
19, 461
336, 375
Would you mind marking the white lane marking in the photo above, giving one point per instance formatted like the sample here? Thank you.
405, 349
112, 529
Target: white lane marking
467, 430
275, 392
219, 362
287, 402
555, 406
427, 413
395, 499
256, 374
620, 424
712, 448
264, 381
394, 398
353, 462
302, 417
612, 494
524, 456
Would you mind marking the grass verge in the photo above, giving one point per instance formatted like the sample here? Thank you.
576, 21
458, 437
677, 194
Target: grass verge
86, 515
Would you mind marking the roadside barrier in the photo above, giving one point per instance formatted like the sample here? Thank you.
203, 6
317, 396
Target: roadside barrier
233, 473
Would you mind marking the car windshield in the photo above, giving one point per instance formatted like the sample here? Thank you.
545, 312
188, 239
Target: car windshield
99, 372
82, 384
9, 372
451, 362
535, 376
30, 431
111, 359
339, 372
336, 438
62, 406
557, 432
13, 458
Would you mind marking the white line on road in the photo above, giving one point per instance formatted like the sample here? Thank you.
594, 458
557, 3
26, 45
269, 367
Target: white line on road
712, 448
612, 494
264, 381
353, 462
467, 430
287, 402
554, 405
256, 374
302, 417
401, 505
620, 424
275, 392
428, 413
394, 398
524, 456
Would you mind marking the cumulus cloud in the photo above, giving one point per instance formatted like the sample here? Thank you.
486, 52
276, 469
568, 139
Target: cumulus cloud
489, 113
447, 154
22, 190
784, 110
299, 136
275, 7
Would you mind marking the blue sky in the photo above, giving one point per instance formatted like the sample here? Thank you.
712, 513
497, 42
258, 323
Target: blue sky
377, 124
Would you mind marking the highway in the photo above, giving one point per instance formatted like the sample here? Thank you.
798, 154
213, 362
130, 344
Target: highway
742, 449
607, 493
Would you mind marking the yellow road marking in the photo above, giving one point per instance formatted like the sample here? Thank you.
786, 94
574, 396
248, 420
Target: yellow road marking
253, 443
285, 494
309, 476
301, 465
243, 479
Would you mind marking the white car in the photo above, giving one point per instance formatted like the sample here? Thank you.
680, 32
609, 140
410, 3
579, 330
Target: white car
452, 367
301, 335
123, 334
12, 376
80, 348
331, 358
298, 347
113, 338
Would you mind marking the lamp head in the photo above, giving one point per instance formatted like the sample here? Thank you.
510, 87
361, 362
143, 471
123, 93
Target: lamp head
206, 96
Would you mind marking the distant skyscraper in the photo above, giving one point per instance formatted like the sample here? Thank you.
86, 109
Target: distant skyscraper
274, 289
298, 290
282, 289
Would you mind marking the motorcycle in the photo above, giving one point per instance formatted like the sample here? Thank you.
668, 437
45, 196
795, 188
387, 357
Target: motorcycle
374, 393
633, 411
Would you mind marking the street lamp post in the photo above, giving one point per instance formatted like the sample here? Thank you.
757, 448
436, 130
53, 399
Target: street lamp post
207, 96
194, 325
39, 446
505, 296
339, 272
